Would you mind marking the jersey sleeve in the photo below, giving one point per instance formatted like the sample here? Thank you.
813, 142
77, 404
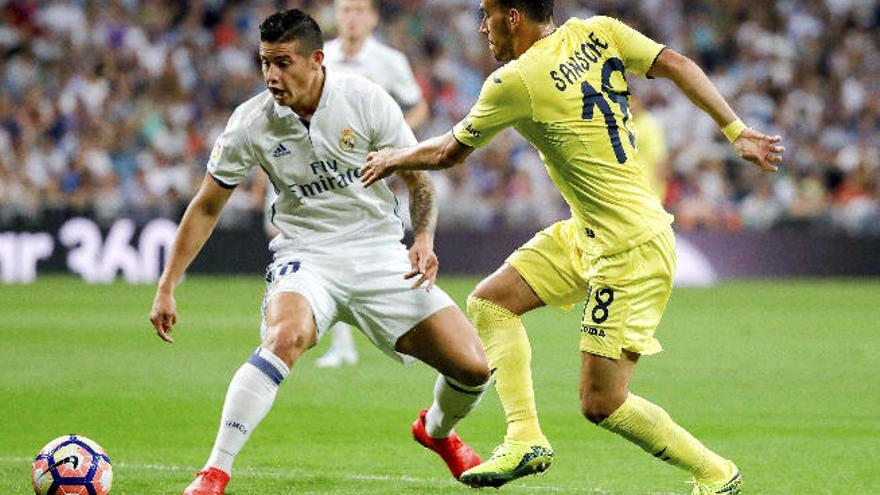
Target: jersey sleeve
230, 159
406, 90
388, 127
637, 50
504, 100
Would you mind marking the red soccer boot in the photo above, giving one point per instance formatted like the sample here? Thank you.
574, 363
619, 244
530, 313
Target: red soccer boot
211, 481
459, 457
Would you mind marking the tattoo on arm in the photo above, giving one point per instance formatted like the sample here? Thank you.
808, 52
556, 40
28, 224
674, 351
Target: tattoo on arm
422, 209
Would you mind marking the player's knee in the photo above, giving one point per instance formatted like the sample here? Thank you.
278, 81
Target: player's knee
482, 311
597, 406
473, 305
594, 412
287, 341
477, 293
474, 374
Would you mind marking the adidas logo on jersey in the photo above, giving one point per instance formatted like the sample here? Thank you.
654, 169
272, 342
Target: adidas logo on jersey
280, 151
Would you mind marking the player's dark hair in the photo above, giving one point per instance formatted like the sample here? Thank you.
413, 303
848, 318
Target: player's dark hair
292, 25
535, 10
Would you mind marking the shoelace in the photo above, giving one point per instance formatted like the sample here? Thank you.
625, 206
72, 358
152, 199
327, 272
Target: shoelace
498, 452
704, 490
207, 473
453, 442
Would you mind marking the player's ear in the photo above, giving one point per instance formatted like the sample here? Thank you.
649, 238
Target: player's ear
318, 57
514, 18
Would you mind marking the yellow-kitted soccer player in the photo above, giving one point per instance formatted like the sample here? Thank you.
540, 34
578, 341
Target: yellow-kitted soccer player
564, 89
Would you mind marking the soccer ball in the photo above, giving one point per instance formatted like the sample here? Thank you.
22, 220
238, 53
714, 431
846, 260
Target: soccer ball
72, 465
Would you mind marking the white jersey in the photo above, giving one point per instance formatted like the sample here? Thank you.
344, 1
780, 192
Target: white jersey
379, 63
321, 204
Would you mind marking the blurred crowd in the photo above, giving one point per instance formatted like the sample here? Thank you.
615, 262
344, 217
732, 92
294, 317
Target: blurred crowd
111, 107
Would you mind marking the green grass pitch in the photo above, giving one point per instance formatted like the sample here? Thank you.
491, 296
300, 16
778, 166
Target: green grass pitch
781, 376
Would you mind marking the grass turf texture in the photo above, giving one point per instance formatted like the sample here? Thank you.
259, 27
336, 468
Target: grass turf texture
778, 375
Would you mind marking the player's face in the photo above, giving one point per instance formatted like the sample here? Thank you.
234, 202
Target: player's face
355, 19
288, 73
495, 27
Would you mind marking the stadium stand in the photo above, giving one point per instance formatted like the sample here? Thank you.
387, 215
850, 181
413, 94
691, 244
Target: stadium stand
111, 108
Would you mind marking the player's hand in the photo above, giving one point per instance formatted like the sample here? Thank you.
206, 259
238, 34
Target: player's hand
377, 168
760, 149
425, 264
163, 316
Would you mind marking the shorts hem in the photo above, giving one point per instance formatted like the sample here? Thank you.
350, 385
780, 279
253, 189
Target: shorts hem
543, 298
322, 321
610, 354
406, 359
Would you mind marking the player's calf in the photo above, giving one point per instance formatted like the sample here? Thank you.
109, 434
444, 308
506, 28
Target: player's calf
249, 398
651, 428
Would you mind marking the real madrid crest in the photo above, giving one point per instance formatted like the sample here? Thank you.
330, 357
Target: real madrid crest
347, 140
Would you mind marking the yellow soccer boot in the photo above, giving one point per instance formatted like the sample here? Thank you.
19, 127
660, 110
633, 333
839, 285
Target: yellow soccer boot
509, 461
733, 486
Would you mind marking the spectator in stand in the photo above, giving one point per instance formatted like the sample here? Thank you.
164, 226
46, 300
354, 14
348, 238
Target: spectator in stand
145, 75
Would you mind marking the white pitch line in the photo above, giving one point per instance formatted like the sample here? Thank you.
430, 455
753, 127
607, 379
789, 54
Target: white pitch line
279, 472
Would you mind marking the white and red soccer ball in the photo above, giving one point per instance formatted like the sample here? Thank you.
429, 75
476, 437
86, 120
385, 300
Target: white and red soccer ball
72, 465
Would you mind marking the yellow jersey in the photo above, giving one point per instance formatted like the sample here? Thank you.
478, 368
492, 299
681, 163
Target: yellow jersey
567, 95
653, 151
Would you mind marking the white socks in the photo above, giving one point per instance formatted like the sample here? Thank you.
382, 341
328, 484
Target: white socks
254, 386
452, 402
341, 338
248, 399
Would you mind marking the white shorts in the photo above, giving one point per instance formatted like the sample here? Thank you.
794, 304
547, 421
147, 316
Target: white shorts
366, 290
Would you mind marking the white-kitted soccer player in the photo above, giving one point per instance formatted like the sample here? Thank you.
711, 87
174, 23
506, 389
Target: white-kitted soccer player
339, 255
357, 51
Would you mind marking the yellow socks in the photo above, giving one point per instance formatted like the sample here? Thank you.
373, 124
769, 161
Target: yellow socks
510, 359
639, 421
650, 427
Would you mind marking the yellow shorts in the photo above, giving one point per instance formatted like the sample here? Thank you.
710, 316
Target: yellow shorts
624, 294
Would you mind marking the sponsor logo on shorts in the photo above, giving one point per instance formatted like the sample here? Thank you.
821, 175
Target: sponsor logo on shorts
274, 272
288, 268
598, 332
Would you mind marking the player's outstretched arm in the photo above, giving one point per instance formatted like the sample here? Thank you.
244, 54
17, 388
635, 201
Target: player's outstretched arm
423, 212
196, 226
760, 149
432, 154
